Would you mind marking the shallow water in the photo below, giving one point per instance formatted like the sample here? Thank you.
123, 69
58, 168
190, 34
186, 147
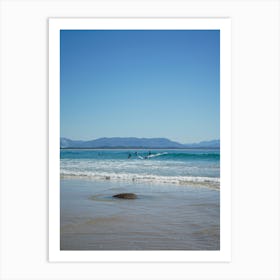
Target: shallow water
164, 217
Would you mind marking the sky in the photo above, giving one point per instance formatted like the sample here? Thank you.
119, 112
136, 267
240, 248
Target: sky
140, 83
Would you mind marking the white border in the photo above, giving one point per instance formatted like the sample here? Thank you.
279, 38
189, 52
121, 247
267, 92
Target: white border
222, 24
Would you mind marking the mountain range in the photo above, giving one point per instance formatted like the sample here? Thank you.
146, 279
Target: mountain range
133, 142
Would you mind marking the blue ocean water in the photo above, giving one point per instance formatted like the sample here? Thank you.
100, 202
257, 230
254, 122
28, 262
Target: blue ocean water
184, 167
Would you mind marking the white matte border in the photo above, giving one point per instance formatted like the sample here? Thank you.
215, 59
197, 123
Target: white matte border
222, 24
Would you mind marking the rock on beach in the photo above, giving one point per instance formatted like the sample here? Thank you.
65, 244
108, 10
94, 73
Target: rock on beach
126, 195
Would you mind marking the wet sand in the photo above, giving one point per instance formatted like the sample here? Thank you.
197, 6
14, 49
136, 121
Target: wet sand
163, 217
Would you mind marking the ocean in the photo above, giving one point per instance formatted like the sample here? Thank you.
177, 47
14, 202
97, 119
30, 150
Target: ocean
200, 167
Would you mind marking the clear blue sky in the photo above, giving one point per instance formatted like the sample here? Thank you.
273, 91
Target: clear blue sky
140, 83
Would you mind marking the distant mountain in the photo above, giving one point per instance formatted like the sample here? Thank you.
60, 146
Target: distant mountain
204, 144
133, 142
121, 142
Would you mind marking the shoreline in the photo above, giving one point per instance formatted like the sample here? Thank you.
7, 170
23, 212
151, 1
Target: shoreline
207, 185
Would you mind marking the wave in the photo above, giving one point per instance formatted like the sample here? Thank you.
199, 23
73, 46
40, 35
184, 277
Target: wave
190, 155
130, 154
181, 156
153, 155
209, 182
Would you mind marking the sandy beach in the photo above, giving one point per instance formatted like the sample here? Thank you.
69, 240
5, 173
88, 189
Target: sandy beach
163, 217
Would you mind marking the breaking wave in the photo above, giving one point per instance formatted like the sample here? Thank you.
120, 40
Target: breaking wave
128, 177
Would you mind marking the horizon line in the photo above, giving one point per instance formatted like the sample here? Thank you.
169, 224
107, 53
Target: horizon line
217, 139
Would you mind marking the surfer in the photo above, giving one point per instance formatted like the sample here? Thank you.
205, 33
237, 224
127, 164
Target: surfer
129, 155
149, 153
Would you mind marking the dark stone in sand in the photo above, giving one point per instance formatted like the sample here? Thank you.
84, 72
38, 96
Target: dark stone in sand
126, 195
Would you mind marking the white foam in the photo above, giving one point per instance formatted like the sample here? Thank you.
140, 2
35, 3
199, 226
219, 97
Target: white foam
179, 180
157, 155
